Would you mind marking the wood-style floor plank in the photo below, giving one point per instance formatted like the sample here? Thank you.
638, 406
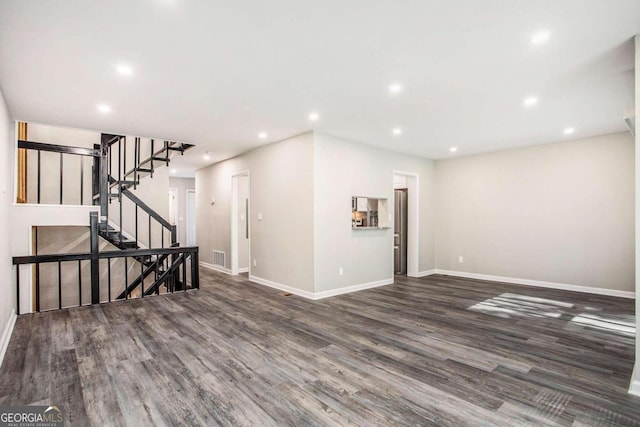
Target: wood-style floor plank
431, 351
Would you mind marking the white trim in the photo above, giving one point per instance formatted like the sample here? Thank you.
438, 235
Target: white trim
539, 283
413, 221
354, 288
191, 220
215, 267
281, 287
234, 219
243, 270
323, 294
6, 335
424, 273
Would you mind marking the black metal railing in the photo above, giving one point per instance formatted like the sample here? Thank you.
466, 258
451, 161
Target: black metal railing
166, 270
65, 181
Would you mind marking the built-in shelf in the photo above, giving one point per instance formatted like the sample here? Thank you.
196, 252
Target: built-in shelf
369, 213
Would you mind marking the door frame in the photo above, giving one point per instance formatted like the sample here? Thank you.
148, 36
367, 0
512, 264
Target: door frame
413, 222
234, 220
190, 218
176, 210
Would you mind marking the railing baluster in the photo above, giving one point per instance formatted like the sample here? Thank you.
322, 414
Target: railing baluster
126, 278
18, 289
39, 176
150, 232
59, 285
37, 287
136, 224
123, 166
151, 157
81, 180
109, 279
61, 176
141, 277
162, 237
80, 282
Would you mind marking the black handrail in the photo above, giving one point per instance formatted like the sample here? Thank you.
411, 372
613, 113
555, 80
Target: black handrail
64, 149
170, 276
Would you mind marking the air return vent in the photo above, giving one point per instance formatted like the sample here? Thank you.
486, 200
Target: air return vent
219, 259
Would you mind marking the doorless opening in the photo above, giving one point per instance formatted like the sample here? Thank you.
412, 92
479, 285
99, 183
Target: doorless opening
240, 237
406, 223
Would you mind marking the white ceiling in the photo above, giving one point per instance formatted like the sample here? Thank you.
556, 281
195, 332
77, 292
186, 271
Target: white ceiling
215, 73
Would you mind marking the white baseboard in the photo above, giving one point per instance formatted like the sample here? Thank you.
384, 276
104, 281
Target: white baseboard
243, 270
424, 273
538, 283
215, 267
323, 294
281, 287
354, 288
6, 335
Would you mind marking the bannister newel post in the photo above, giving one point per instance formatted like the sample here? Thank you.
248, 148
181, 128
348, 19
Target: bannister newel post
195, 270
95, 261
174, 235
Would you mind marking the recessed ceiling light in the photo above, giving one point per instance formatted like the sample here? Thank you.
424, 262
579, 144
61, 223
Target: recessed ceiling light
124, 69
453, 149
530, 101
174, 171
262, 135
313, 116
206, 156
395, 88
397, 131
103, 108
540, 37
569, 131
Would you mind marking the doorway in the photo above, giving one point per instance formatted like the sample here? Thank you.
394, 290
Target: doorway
400, 231
406, 216
191, 218
240, 226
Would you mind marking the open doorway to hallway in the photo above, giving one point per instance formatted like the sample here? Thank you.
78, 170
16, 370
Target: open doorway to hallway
240, 233
406, 225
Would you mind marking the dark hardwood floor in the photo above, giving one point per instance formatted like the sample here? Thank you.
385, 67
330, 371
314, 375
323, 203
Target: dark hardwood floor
431, 351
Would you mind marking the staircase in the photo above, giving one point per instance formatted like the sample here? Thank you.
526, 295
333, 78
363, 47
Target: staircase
119, 165
121, 177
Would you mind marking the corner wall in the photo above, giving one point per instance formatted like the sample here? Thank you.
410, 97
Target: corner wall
635, 380
281, 193
7, 287
345, 169
557, 213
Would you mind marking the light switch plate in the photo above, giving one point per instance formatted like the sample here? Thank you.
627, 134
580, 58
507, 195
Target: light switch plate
260, 216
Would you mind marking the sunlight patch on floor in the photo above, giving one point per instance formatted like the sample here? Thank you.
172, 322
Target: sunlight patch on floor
623, 326
509, 305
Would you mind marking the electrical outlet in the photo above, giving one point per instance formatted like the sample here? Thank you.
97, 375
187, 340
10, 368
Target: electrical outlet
255, 264
340, 271
461, 259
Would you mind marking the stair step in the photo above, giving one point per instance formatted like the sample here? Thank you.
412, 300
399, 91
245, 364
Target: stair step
161, 159
143, 170
175, 148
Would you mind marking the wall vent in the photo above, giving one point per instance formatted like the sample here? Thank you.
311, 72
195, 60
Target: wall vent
219, 259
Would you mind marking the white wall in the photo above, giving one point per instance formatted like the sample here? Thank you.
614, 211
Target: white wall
344, 169
7, 286
558, 213
281, 190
